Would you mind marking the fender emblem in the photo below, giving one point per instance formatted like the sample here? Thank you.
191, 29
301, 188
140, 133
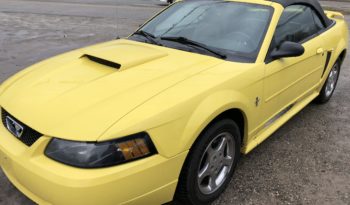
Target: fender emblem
257, 101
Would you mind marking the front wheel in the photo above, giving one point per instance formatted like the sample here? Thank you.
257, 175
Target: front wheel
210, 164
330, 85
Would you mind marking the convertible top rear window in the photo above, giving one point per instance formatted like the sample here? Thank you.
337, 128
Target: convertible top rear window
235, 29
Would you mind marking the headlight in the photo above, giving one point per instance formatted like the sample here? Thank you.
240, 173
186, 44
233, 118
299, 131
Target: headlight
103, 154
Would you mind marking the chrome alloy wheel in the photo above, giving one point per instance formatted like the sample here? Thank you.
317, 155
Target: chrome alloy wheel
216, 163
332, 80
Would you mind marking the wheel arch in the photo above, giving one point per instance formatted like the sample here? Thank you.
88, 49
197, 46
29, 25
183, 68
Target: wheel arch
342, 56
235, 114
224, 104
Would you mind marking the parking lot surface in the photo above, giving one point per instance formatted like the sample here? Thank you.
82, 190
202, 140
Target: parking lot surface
307, 161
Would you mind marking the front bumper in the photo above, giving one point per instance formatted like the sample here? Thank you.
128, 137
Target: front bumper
148, 181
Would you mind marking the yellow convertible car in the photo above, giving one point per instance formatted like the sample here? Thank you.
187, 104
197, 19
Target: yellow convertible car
164, 114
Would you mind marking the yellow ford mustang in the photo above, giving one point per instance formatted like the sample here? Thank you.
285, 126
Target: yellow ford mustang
164, 114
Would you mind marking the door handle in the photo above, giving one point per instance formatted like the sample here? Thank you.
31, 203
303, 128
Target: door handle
320, 51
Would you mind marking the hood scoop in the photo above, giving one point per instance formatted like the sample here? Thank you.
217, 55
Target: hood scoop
102, 61
123, 56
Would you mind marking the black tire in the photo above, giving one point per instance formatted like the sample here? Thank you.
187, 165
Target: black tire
325, 95
188, 190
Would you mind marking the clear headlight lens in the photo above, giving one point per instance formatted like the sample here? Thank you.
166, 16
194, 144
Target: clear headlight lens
101, 154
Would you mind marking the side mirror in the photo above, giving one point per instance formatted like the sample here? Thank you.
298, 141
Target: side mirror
287, 49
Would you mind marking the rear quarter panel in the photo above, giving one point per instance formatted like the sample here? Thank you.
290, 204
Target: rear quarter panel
335, 39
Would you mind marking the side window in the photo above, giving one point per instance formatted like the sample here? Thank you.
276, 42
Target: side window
318, 22
297, 23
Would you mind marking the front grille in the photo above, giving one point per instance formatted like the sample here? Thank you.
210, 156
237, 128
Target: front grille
29, 136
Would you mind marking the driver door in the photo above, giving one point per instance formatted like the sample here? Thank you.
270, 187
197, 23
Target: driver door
290, 79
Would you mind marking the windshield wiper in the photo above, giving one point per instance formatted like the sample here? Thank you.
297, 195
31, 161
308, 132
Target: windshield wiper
150, 37
187, 41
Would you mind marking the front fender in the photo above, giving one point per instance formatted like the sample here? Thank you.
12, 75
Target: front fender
179, 134
211, 107
175, 128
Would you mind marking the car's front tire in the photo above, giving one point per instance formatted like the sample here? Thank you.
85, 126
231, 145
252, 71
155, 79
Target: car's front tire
210, 165
330, 84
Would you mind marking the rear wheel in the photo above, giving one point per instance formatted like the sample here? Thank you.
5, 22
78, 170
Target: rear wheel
210, 164
330, 85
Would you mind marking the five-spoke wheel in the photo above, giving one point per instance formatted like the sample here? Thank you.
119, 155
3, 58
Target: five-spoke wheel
216, 163
210, 164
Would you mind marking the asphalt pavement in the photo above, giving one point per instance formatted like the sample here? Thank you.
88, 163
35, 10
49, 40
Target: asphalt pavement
307, 161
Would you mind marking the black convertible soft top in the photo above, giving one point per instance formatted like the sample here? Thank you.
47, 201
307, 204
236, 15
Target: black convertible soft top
315, 4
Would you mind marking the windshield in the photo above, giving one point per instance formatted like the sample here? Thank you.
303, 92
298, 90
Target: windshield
237, 29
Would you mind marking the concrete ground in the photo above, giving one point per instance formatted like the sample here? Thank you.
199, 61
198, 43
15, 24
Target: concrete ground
342, 6
307, 161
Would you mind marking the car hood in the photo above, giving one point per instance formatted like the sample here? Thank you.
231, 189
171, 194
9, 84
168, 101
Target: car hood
79, 95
